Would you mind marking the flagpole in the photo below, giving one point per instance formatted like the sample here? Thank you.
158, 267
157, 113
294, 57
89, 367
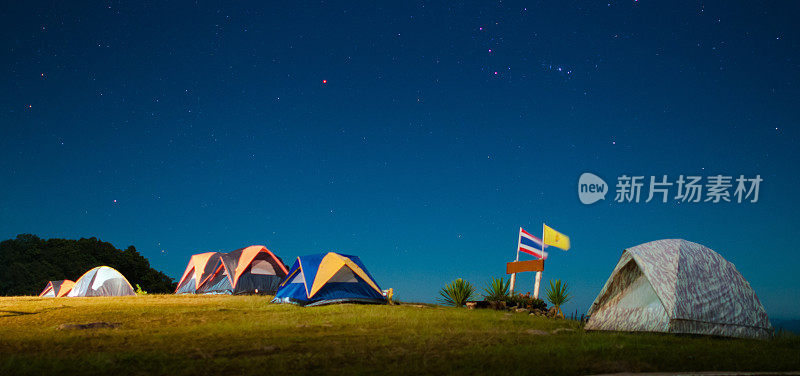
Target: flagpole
514, 275
538, 276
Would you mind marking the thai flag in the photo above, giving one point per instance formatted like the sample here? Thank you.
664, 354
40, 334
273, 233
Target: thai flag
531, 245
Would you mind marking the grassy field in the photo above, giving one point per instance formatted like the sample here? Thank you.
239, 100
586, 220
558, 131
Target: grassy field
226, 335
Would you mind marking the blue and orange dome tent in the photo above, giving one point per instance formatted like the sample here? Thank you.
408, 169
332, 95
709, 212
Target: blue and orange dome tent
328, 278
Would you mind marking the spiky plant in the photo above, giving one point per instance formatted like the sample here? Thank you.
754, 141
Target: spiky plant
557, 295
456, 293
496, 290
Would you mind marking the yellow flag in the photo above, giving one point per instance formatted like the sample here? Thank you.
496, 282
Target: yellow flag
555, 238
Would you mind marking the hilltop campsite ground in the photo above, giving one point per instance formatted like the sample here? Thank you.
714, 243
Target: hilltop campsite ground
203, 335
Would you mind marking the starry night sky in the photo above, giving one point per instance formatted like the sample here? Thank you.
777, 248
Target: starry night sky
416, 135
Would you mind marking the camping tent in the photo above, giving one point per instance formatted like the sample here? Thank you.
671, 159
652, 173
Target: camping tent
676, 286
327, 278
57, 289
199, 268
102, 281
251, 270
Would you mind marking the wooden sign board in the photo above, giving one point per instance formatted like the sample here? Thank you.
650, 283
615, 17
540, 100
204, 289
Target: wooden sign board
525, 266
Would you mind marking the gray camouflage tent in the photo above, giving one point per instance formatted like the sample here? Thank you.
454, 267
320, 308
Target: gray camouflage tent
676, 286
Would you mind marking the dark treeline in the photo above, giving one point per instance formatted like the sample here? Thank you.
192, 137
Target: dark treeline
28, 262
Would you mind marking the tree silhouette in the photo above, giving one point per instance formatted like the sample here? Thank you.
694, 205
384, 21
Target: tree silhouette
28, 262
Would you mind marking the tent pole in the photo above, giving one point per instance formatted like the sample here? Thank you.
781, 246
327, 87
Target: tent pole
538, 278
514, 275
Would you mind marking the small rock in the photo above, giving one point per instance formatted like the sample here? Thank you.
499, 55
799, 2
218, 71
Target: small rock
91, 325
537, 332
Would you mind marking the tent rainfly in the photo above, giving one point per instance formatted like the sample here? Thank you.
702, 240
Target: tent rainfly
676, 286
251, 270
102, 281
56, 289
199, 268
327, 278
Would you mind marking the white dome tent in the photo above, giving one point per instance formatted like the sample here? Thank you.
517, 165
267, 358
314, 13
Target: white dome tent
676, 286
102, 281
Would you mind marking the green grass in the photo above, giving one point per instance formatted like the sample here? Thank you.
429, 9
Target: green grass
225, 335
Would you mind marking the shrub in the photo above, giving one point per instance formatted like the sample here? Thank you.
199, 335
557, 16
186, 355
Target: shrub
558, 294
496, 290
525, 301
139, 290
456, 293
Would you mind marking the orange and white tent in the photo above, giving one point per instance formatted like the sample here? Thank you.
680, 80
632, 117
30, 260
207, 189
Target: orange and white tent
250, 270
199, 268
57, 289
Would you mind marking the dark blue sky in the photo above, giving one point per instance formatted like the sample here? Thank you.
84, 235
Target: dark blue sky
440, 129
